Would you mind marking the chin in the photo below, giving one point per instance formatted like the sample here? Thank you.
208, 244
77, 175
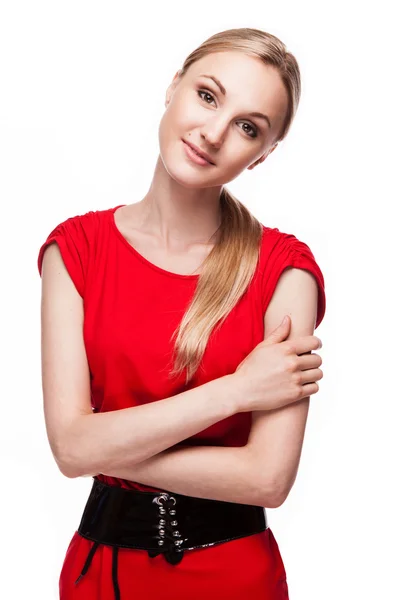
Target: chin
182, 172
186, 177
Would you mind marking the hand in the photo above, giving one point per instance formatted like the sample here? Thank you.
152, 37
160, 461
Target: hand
278, 372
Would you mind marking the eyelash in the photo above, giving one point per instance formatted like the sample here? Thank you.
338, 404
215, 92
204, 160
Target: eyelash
205, 91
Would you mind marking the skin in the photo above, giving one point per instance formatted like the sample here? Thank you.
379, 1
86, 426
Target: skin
182, 208
180, 213
179, 210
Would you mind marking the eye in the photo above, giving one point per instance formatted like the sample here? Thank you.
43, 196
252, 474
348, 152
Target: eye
207, 93
252, 128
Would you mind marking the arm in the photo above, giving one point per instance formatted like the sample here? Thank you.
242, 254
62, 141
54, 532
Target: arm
276, 436
217, 473
83, 442
273, 450
113, 442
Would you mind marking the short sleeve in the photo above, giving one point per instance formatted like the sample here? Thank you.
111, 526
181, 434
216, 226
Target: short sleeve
280, 251
73, 237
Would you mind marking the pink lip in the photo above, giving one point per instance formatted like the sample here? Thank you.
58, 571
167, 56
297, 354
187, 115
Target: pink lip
201, 158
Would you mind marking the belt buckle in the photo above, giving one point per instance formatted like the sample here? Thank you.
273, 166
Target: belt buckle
167, 529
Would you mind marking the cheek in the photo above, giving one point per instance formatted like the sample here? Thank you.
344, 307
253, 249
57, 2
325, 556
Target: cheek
185, 114
172, 124
167, 132
185, 121
237, 161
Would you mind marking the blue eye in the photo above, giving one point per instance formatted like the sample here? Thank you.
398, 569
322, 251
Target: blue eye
207, 93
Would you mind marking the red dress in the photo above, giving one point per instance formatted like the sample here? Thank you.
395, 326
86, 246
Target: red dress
132, 308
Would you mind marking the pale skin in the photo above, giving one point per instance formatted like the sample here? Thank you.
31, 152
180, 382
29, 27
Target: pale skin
172, 226
276, 437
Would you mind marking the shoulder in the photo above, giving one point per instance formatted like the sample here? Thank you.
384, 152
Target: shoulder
275, 240
81, 228
76, 237
281, 250
84, 223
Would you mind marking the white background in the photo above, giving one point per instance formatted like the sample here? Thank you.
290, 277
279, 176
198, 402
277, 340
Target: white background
83, 87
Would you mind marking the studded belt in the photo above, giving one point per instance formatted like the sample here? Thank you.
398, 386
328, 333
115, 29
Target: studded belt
162, 523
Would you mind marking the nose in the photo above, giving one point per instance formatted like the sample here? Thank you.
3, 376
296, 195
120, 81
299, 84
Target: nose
214, 132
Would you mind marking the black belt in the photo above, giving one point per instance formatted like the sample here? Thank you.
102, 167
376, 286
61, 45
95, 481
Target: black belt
149, 521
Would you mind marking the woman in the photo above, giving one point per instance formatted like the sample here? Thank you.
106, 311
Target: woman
164, 318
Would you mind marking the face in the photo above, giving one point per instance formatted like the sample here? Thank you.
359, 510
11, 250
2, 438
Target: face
221, 124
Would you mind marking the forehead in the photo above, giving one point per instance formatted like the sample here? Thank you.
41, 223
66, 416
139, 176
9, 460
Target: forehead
247, 80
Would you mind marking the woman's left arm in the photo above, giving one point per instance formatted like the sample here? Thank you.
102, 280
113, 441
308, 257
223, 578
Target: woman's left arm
262, 472
276, 436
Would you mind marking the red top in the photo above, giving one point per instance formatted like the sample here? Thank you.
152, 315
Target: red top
132, 307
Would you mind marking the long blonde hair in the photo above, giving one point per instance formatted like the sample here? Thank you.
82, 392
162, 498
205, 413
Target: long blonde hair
230, 266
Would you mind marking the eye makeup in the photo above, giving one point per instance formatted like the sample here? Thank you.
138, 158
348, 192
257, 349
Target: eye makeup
208, 92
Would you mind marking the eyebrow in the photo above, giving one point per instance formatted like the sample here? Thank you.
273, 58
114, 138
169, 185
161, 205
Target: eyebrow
223, 91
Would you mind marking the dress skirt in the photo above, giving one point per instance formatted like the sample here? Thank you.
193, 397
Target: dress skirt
248, 568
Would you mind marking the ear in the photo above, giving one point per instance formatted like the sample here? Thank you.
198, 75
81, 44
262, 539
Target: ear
171, 88
262, 158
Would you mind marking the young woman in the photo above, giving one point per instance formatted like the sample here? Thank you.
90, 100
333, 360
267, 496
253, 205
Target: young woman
164, 318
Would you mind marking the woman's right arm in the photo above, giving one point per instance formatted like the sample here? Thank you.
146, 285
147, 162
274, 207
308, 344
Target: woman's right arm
85, 442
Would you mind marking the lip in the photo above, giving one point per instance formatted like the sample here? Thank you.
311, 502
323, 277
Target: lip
203, 154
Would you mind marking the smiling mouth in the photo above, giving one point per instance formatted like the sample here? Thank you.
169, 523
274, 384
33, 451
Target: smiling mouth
197, 153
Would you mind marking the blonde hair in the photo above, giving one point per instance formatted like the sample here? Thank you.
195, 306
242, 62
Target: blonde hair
230, 266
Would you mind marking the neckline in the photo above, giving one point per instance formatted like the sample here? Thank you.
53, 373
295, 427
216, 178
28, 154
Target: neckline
140, 256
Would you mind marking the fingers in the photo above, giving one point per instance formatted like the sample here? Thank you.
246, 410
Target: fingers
309, 389
309, 361
311, 375
304, 344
